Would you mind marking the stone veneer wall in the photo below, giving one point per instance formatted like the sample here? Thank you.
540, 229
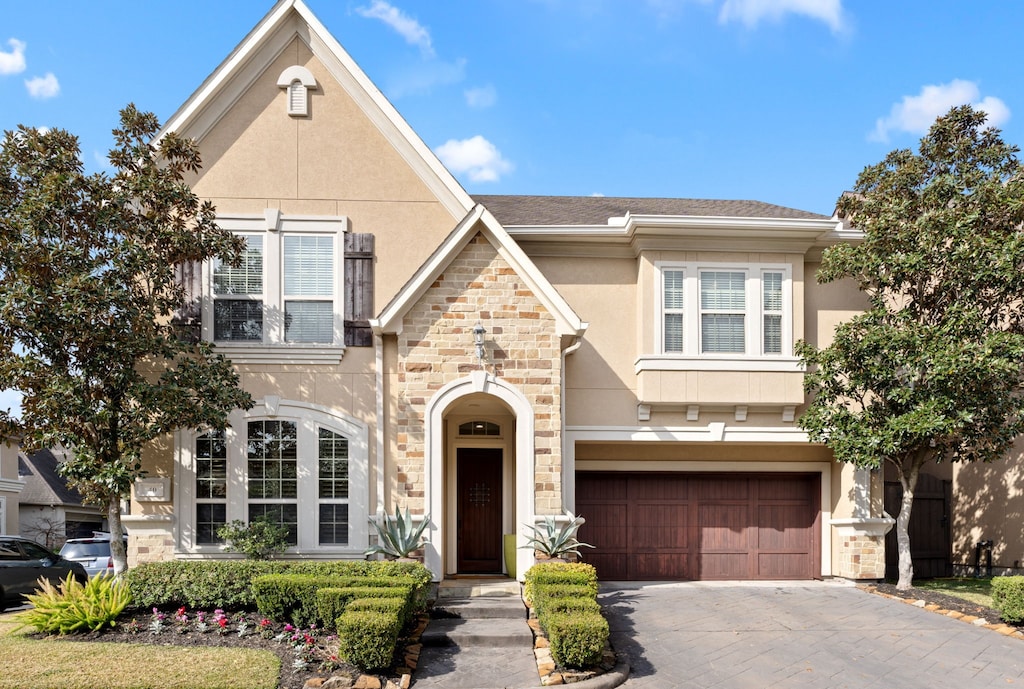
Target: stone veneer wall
436, 348
862, 557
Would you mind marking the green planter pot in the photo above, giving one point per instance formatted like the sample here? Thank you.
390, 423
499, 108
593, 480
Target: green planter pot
510, 554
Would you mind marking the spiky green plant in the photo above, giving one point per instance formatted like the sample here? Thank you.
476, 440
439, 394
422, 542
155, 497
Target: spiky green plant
554, 540
75, 607
397, 536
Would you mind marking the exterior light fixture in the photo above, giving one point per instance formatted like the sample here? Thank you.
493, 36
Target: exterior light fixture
478, 339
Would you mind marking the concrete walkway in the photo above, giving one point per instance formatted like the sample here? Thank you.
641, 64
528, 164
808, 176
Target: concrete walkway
825, 635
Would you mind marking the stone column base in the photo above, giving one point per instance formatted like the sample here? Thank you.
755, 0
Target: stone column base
861, 552
150, 537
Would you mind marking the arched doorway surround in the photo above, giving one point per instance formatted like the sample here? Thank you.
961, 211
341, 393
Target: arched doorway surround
440, 403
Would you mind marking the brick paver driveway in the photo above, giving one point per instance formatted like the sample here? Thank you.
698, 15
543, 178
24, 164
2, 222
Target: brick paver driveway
808, 634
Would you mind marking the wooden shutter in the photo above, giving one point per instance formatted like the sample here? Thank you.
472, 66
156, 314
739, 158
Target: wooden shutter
358, 289
187, 320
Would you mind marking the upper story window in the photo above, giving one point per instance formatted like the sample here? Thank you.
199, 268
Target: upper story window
286, 290
719, 310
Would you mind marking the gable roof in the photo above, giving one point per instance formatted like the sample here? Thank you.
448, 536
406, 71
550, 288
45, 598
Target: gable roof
597, 210
43, 485
285, 21
479, 220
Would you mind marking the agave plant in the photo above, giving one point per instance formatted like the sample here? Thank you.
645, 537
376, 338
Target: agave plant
556, 541
397, 536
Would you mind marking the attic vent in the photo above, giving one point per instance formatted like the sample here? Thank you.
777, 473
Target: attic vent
297, 80
297, 99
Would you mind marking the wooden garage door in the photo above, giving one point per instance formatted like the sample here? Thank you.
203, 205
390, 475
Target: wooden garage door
700, 526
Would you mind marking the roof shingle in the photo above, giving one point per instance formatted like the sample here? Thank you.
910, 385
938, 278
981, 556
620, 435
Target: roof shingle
596, 210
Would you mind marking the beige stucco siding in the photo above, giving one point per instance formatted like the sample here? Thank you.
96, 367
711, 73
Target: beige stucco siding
334, 162
988, 504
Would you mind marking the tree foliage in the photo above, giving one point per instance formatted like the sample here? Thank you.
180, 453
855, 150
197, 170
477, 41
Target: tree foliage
88, 292
931, 371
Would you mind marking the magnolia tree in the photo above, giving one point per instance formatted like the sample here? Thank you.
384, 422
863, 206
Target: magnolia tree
88, 299
931, 372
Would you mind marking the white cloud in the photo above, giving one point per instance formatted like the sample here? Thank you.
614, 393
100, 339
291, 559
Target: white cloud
915, 114
14, 61
43, 87
752, 12
481, 97
597, 195
476, 157
408, 28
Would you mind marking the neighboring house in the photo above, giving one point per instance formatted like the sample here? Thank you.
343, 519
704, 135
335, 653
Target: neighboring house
49, 511
10, 486
635, 360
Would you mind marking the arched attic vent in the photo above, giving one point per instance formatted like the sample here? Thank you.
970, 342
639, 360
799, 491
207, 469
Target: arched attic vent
297, 80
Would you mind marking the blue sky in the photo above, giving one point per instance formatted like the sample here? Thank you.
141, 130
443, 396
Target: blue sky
782, 101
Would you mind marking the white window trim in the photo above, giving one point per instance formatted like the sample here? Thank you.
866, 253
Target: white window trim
309, 417
273, 226
754, 317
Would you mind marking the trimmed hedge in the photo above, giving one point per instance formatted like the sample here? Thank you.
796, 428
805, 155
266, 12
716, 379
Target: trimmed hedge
295, 597
577, 638
332, 602
1008, 598
542, 595
549, 573
367, 638
227, 583
564, 597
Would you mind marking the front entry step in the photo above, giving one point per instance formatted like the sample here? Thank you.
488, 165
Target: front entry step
456, 589
487, 633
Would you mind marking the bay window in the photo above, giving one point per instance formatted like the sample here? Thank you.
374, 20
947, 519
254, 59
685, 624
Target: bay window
724, 311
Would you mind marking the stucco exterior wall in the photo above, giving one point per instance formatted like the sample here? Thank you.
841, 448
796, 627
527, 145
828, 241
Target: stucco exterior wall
436, 347
988, 504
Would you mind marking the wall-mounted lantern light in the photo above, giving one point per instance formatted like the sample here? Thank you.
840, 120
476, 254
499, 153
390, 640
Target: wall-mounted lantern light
478, 339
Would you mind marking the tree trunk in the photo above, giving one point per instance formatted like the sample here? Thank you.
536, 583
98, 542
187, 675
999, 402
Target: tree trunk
905, 562
117, 549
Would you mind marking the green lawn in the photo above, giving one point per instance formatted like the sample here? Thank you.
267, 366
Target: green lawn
56, 664
974, 590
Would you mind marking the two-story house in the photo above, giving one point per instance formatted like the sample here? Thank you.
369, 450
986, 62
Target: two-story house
489, 360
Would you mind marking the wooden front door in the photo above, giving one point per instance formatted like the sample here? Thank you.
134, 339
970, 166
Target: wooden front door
478, 486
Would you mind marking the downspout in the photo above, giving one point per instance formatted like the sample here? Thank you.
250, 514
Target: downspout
378, 353
561, 412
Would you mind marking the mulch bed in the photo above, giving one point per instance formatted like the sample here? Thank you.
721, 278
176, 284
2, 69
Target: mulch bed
134, 628
944, 601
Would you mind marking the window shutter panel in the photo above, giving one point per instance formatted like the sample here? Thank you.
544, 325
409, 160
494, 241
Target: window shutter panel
358, 289
187, 319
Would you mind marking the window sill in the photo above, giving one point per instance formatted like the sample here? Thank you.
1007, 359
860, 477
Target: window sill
281, 354
676, 362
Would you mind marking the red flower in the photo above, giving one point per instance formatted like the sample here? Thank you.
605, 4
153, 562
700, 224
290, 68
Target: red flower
223, 622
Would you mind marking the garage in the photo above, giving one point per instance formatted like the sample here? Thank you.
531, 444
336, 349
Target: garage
689, 526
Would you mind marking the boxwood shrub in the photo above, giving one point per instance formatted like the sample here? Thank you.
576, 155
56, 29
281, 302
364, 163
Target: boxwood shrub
228, 583
549, 573
295, 597
564, 596
332, 602
577, 638
1008, 598
367, 638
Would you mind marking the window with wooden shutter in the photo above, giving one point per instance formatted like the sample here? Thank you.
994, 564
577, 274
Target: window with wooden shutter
358, 289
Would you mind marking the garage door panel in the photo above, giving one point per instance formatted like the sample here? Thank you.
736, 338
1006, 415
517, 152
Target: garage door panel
609, 566
783, 566
700, 526
607, 525
724, 566
670, 488
708, 489
648, 567
654, 527
723, 527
